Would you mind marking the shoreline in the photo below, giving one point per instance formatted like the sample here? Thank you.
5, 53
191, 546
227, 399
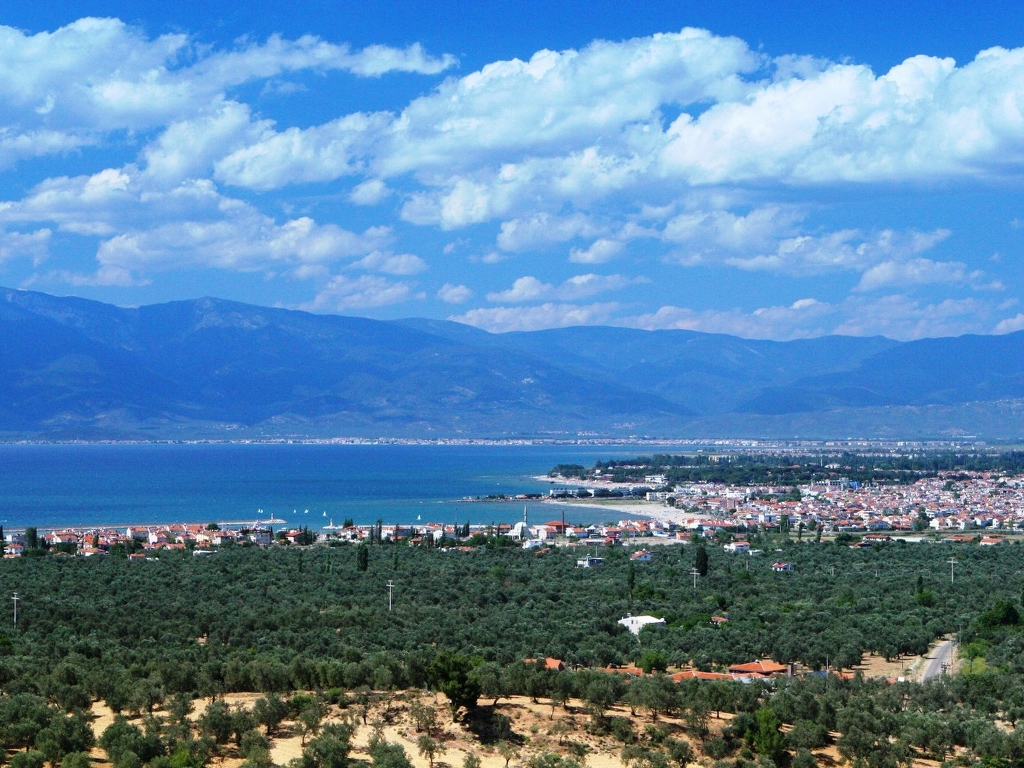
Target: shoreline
632, 508
652, 510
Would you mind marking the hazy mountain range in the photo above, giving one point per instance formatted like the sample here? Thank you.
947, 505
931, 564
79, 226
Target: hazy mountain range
72, 368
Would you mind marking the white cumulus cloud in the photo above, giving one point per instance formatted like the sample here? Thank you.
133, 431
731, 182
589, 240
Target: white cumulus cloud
560, 100
915, 272
576, 287
298, 156
801, 319
33, 246
896, 316
598, 252
844, 250
524, 289
392, 263
343, 294
1010, 324
377, 60
68, 88
582, 124
369, 192
543, 229
548, 315
710, 229
454, 294
144, 230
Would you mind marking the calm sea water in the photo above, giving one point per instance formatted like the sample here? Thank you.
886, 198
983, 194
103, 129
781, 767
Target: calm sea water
92, 485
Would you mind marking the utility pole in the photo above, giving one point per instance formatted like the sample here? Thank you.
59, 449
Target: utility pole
15, 599
695, 573
952, 562
390, 585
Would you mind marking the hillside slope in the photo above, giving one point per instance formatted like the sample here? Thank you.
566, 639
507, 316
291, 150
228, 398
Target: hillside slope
212, 368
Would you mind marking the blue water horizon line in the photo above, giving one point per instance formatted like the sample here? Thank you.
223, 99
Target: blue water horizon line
56, 486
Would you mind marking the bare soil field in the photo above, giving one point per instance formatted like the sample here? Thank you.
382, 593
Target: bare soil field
535, 727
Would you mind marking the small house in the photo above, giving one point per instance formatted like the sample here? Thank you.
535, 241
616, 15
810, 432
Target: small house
635, 623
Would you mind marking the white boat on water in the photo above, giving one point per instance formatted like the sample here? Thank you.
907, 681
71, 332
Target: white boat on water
333, 527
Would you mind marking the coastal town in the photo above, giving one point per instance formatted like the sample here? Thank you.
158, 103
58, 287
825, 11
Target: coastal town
955, 505
982, 507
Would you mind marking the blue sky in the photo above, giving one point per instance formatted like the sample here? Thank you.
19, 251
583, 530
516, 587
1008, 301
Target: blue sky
766, 170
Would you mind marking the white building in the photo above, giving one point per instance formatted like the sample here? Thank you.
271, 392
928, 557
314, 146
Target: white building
635, 623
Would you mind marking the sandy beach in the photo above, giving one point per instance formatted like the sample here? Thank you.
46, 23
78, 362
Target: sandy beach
651, 510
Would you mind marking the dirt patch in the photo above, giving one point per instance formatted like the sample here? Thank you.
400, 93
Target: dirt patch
873, 665
532, 727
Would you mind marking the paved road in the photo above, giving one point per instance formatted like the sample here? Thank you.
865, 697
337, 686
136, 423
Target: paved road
939, 655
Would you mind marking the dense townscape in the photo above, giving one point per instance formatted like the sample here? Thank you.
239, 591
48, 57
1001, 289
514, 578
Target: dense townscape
952, 500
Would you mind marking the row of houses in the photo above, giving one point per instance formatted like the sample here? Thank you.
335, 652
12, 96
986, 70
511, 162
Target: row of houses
99, 541
762, 669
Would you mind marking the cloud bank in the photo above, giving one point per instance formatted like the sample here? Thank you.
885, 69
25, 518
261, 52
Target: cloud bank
653, 161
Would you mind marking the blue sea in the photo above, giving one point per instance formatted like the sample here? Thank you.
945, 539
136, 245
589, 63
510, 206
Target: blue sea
51, 486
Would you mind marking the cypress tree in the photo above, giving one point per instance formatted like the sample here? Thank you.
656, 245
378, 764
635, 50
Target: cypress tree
700, 560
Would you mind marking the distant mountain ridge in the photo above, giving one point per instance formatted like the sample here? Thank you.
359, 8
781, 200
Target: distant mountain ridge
72, 368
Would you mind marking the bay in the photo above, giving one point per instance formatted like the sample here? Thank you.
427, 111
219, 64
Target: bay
52, 486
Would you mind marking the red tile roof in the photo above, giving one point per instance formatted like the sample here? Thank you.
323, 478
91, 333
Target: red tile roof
762, 667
